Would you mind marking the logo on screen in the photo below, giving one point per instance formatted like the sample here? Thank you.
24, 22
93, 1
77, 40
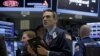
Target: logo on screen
11, 3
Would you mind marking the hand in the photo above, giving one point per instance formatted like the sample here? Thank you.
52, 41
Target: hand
30, 50
42, 51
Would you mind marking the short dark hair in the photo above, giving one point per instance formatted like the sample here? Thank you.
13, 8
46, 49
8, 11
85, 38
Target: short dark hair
53, 12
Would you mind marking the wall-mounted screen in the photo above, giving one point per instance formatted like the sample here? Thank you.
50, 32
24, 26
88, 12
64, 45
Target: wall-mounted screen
25, 5
79, 7
7, 29
95, 29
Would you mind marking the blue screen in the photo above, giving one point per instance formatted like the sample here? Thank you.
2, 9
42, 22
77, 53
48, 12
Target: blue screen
95, 29
7, 29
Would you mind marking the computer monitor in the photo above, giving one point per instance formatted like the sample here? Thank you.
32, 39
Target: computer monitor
95, 29
78, 7
7, 29
25, 5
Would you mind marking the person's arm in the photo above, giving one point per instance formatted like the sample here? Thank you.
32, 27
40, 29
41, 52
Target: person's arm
30, 50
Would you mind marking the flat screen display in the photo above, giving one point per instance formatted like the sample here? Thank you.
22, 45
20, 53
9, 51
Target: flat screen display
25, 5
95, 29
80, 7
7, 29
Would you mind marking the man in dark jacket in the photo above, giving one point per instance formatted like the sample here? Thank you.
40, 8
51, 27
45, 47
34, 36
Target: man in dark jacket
84, 33
54, 38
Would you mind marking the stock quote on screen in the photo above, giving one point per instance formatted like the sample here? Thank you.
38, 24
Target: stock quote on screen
25, 3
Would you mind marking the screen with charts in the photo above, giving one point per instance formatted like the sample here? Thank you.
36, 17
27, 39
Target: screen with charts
95, 29
7, 29
80, 7
25, 5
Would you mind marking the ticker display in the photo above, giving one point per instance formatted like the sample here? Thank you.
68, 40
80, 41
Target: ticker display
11, 3
26, 5
81, 7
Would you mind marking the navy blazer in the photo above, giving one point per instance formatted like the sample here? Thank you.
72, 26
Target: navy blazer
81, 45
59, 45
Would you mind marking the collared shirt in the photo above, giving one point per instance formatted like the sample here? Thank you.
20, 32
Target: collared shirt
51, 30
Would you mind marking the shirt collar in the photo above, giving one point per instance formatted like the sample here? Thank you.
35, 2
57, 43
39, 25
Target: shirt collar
51, 30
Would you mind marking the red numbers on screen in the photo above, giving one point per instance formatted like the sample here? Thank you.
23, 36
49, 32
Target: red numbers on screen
10, 3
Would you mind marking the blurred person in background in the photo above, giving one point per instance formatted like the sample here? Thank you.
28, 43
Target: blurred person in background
3, 50
40, 31
28, 50
84, 34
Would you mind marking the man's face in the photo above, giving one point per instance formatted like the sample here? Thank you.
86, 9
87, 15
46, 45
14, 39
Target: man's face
48, 19
25, 38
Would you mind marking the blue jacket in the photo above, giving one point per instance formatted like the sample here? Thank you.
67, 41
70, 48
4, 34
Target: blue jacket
81, 45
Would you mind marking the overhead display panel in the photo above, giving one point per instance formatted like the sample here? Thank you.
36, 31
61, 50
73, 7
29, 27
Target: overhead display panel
11, 3
80, 7
25, 5
7, 29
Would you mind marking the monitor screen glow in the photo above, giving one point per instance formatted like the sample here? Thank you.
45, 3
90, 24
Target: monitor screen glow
7, 29
25, 5
95, 29
79, 7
